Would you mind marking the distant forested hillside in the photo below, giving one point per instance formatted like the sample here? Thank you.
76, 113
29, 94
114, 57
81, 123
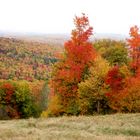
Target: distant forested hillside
26, 60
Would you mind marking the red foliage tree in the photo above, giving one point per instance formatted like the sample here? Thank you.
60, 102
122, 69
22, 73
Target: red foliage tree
9, 91
117, 83
131, 102
79, 54
134, 43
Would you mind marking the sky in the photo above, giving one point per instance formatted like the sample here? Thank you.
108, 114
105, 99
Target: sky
56, 16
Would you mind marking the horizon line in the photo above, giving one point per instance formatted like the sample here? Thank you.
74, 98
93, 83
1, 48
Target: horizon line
54, 33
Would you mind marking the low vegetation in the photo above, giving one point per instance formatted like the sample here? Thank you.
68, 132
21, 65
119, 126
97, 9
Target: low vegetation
106, 127
22, 99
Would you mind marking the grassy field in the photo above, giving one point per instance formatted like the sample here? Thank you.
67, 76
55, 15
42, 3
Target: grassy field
107, 127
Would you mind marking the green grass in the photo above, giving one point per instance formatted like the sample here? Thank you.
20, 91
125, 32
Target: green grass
105, 127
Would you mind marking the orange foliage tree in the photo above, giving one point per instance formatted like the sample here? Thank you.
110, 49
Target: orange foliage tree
131, 102
78, 57
134, 43
117, 81
6, 98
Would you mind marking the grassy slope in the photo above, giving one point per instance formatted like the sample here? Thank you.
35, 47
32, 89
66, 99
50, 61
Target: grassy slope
108, 127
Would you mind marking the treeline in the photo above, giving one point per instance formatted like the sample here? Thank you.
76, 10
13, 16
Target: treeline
103, 77
87, 78
26, 60
22, 99
25, 67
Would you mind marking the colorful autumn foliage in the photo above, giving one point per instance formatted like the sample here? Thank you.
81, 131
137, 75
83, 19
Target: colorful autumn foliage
134, 43
131, 101
79, 54
123, 94
116, 82
92, 90
6, 100
115, 79
26, 60
115, 52
18, 99
8, 89
83, 80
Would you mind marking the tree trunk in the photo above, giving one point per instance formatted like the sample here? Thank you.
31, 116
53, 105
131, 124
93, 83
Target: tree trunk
98, 106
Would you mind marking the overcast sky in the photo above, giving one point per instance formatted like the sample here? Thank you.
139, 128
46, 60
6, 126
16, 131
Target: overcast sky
56, 16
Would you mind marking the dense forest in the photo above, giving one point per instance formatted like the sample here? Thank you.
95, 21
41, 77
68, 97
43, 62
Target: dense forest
26, 60
79, 78
25, 68
100, 77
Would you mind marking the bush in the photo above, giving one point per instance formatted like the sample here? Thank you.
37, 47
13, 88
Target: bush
124, 94
131, 102
16, 100
54, 108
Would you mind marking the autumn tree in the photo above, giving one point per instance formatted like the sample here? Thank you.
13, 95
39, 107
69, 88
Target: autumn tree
134, 43
92, 90
71, 70
131, 102
117, 80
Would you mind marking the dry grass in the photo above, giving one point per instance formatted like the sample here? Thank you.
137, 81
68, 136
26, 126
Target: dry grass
107, 127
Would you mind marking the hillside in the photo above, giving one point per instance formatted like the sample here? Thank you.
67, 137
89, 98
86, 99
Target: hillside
107, 127
28, 60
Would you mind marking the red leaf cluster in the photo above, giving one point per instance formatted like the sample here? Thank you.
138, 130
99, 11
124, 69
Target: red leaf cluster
114, 79
8, 90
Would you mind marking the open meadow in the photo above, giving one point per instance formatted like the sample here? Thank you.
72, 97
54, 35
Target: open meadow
104, 127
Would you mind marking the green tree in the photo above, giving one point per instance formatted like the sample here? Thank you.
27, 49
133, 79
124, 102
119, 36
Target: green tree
115, 52
92, 90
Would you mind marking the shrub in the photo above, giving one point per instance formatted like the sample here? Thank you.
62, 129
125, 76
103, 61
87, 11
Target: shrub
131, 102
16, 100
54, 108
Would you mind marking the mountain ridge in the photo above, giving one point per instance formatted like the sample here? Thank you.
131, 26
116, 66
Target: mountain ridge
58, 38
